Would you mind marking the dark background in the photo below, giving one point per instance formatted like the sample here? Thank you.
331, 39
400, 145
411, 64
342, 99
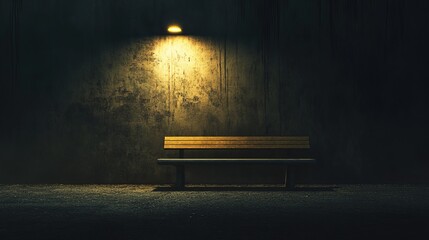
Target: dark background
80, 103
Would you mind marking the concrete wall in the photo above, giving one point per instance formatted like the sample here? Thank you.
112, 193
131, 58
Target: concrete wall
91, 87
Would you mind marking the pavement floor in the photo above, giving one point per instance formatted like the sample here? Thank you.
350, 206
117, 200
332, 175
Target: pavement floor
214, 212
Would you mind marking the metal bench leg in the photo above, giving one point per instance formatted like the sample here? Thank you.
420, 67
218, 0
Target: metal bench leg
290, 178
180, 176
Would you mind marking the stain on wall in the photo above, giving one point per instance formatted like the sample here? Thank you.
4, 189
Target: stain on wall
93, 86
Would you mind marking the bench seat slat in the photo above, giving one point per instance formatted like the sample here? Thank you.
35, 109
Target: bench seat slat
235, 146
235, 142
236, 138
237, 160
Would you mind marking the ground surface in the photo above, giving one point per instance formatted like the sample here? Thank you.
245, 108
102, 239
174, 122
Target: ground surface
149, 212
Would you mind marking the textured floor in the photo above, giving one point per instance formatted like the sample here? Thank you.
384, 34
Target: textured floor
150, 212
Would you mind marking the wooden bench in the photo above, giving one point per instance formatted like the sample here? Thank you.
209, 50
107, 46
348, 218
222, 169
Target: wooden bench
255, 143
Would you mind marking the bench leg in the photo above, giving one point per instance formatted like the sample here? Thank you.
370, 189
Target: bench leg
290, 178
180, 176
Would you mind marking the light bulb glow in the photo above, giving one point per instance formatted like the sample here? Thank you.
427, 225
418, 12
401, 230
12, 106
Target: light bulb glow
174, 29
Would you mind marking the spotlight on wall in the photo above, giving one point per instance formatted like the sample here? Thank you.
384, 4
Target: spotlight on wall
174, 29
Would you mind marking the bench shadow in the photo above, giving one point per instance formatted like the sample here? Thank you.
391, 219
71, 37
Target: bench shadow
246, 189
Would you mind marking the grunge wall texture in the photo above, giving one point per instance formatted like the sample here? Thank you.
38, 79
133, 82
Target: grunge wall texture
89, 88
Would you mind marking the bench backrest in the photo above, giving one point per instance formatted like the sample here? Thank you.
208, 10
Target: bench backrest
236, 142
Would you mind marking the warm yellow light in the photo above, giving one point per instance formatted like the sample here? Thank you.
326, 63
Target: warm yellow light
174, 29
186, 73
